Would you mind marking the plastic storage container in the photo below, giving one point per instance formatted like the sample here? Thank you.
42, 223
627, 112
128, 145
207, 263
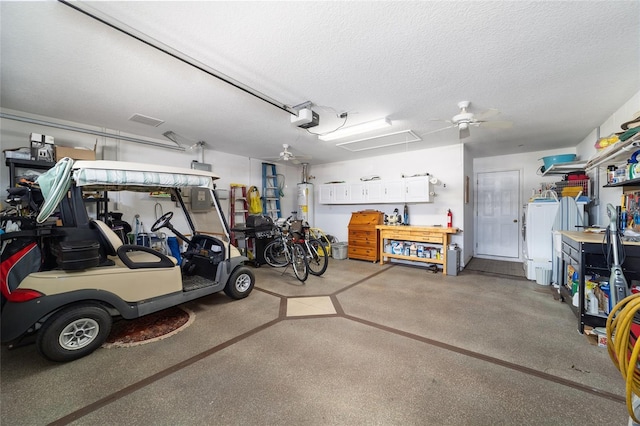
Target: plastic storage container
453, 261
339, 250
557, 159
543, 276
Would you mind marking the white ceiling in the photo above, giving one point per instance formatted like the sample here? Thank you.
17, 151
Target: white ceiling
555, 69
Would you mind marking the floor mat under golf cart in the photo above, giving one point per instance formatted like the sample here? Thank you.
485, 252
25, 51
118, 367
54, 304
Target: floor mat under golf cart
149, 328
194, 282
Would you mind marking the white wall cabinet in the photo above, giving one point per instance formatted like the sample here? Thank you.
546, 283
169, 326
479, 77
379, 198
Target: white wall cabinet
325, 194
410, 190
357, 193
417, 189
394, 191
334, 193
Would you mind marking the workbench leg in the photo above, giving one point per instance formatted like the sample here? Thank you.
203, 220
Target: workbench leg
445, 246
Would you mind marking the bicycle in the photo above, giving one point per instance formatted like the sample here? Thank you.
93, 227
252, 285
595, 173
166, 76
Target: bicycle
316, 252
286, 250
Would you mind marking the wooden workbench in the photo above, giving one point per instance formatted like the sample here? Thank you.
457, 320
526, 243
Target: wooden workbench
419, 234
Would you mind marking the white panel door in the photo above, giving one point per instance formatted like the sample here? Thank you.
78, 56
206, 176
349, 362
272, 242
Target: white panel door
394, 191
325, 195
498, 214
357, 193
341, 193
417, 189
375, 191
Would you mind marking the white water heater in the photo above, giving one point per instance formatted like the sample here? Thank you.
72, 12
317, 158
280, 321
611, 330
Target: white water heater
305, 202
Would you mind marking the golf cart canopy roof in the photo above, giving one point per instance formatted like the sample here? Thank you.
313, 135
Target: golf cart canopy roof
111, 175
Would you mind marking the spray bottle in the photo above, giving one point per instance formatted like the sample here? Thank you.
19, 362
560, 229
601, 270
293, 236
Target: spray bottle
406, 214
449, 219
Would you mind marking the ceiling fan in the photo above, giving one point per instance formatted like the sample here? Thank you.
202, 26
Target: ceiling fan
287, 155
465, 119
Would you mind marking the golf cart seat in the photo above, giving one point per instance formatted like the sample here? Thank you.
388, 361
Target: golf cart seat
131, 255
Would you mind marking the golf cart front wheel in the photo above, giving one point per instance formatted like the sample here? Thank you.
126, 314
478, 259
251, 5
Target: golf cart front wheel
240, 283
73, 333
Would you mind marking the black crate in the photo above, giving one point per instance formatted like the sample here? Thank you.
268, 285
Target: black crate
259, 221
76, 255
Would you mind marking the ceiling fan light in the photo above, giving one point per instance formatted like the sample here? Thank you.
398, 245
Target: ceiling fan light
463, 126
357, 129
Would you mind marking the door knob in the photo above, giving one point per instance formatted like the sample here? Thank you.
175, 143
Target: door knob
515, 220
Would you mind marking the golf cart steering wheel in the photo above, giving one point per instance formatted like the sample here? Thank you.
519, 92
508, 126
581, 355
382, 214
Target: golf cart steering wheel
162, 221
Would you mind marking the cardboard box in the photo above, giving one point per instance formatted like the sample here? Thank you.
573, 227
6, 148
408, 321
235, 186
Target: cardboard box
596, 336
601, 334
75, 153
602, 340
41, 147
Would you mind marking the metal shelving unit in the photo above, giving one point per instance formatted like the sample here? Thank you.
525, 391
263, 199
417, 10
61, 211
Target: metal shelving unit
630, 182
564, 168
18, 163
615, 154
585, 253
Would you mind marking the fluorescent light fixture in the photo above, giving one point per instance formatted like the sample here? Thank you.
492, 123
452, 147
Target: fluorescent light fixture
382, 141
357, 129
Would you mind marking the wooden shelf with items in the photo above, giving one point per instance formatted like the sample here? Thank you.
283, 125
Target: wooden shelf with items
419, 234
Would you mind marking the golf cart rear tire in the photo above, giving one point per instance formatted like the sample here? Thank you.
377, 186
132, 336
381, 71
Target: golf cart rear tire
57, 340
240, 283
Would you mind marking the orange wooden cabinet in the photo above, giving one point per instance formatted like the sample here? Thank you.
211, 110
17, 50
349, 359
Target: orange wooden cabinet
363, 236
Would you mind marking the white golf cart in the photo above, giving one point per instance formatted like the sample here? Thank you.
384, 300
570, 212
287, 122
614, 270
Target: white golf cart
65, 276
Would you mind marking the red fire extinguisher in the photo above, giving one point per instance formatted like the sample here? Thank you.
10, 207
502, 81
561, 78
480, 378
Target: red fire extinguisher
449, 219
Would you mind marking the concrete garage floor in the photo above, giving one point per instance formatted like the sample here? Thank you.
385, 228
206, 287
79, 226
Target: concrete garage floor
389, 345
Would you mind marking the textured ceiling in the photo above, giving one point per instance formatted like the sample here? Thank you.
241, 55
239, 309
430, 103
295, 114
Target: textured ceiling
555, 69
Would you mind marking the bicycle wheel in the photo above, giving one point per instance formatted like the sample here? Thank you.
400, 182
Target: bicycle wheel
275, 254
317, 258
299, 262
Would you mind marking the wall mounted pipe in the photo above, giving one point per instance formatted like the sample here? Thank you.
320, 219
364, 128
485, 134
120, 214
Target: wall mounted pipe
87, 131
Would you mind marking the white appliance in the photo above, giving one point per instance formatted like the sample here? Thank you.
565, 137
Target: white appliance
539, 220
538, 238
305, 202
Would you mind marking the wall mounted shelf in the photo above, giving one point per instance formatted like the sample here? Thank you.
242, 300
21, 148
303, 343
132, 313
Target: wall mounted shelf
564, 168
630, 182
615, 154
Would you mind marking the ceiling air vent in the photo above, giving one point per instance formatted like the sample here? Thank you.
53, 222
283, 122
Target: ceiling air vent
143, 119
375, 142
